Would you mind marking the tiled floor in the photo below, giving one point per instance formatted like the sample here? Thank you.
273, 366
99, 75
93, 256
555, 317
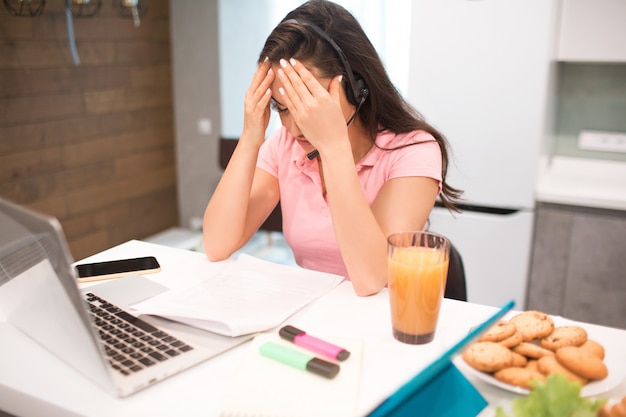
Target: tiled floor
270, 246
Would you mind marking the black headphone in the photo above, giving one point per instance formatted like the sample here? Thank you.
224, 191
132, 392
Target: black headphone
358, 92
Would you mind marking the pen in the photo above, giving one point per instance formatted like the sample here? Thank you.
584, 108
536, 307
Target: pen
300, 360
300, 338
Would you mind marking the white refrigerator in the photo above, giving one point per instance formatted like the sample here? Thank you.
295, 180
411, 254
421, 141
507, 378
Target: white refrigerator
481, 72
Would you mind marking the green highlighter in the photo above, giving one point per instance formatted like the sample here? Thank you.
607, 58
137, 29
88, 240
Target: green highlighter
298, 359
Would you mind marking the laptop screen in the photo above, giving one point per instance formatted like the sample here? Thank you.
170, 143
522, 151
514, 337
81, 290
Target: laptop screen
38, 292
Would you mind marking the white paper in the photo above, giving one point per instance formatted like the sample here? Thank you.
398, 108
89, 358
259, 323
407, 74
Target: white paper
250, 295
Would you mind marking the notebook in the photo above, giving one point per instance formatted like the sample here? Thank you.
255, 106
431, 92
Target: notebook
264, 387
39, 296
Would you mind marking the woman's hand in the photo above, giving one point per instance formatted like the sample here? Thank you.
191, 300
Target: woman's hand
256, 103
316, 111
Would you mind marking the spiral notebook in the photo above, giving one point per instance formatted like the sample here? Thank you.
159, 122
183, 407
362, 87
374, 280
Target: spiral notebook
263, 387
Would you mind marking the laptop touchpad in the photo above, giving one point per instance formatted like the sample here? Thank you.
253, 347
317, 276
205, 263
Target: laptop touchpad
127, 291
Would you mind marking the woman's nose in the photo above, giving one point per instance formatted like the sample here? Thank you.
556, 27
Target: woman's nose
291, 126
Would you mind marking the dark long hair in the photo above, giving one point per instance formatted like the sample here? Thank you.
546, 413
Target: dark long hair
384, 109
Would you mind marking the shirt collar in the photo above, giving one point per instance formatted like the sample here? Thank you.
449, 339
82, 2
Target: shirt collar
301, 160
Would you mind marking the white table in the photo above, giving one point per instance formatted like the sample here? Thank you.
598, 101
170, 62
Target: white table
35, 383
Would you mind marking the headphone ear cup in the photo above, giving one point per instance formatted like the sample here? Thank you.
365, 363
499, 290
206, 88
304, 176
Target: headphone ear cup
362, 90
364, 93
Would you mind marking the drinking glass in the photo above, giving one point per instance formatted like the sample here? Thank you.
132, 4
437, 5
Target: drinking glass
418, 268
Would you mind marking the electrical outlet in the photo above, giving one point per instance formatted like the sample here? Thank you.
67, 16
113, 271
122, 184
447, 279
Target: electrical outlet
594, 140
195, 224
204, 126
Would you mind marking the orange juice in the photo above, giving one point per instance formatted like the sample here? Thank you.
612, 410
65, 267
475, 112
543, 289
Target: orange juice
417, 280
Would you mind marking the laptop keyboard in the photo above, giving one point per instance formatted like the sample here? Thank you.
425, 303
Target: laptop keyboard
131, 344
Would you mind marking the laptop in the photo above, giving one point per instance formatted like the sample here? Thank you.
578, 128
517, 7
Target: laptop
90, 328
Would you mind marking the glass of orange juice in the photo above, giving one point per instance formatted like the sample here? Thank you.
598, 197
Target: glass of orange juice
418, 268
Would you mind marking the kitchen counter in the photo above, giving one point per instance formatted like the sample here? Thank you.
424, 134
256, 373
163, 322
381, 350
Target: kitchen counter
583, 182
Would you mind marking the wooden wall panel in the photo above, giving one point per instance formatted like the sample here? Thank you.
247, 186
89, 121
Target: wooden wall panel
27, 109
91, 144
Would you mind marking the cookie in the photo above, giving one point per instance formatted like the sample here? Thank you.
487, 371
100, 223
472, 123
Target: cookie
519, 361
487, 356
593, 347
533, 324
582, 362
499, 331
564, 336
531, 350
532, 364
548, 365
617, 409
519, 377
512, 341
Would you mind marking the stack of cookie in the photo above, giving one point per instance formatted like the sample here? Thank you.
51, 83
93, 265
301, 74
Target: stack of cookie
617, 409
529, 347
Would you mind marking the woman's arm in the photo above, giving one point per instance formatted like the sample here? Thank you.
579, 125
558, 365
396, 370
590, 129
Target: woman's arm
361, 231
243, 199
245, 195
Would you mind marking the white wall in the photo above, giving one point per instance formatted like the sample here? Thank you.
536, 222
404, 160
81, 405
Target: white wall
194, 44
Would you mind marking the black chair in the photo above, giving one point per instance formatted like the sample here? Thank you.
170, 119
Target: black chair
456, 287
274, 222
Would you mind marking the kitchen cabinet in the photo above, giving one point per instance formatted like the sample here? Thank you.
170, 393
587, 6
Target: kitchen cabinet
579, 263
592, 31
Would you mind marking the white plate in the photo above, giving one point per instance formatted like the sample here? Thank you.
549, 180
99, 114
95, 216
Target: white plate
592, 389
616, 376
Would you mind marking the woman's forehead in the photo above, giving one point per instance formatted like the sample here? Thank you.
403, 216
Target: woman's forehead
317, 73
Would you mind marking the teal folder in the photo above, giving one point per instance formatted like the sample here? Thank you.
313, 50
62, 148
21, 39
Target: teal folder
440, 390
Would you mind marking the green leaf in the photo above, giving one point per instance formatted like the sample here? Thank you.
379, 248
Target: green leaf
500, 412
557, 397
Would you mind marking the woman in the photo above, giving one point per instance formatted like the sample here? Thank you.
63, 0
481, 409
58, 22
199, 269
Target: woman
352, 163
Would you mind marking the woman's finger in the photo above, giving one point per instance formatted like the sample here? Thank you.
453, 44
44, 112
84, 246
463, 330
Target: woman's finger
257, 100
260, 72
263, 88
261, 80
289, 98
335, 88
290, 84
302, 92
307, 79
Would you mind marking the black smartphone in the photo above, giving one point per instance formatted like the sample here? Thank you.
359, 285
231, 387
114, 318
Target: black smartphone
97, 271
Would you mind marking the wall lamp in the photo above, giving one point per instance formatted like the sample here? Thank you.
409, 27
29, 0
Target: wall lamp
83, 8
132, 8
26, 8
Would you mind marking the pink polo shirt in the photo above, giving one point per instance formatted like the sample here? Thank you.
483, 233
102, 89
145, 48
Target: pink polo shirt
307, 224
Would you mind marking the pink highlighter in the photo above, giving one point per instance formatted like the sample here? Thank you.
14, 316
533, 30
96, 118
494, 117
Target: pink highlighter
300, 338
